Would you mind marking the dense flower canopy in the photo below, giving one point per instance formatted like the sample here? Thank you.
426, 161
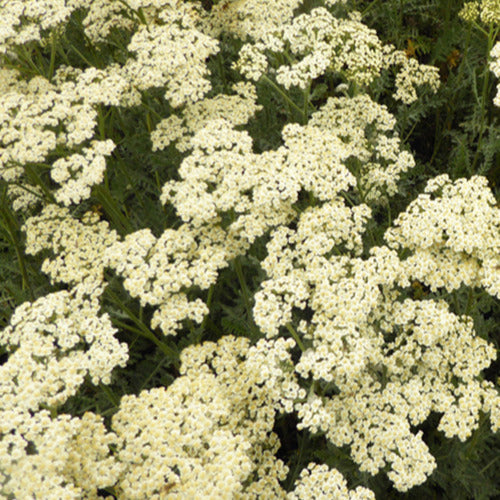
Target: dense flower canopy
131, 154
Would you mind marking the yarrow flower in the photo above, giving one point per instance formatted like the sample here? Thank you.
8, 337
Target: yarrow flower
236, 109
319, 43
486, 11
61, 457
453, 233
79, 247
54, 343
211, 430
495, 67
318, 481
341, 343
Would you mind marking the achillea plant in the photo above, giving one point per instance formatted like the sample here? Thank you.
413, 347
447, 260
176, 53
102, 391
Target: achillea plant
221, 276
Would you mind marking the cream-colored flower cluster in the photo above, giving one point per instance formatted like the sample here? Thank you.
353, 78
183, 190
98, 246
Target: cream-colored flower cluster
236, 109
109, 86
159, 271
211, 430
55, 342
367, 131
24, 21
486, 11
168, 44
172, 57
495, 67
391, 362
318, 481
318, 42
223, 178
411, 75
453, 233
248, 18
54, 458
222, 174
79, 247
38, 117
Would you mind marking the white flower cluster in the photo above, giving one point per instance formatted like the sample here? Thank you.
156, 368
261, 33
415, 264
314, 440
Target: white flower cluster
38, 117
249, 18
79, 246
318, 42
24, 21
495, 67
171, 57
31, 114
54, 458
383, 386
77, 173
168, 43
55, 342
159, 271
236, 109
367, 131
453, 232
211, 430
411, 75
318, 481
486, 11
109, 86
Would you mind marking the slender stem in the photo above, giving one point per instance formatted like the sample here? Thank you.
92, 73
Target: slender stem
373, 4
151, 375
33, 175
9, 226
109, 204
142, 330
243, 285
30, 62
307, 93
209, 302
282, 93
492, 34
296, 337
304, 441
53, 47
109, 394
489, 465
469, 301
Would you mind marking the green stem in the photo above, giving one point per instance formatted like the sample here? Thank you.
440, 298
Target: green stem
303, 442
27, 58
53, 46
11, 229
307, 93
490, 464
109, 394
209, 302
296, 337
109, 204
492, 34
101, 121
142, 330
151, 375
469, 302
373, 4
244, 287
282, 93
32, 174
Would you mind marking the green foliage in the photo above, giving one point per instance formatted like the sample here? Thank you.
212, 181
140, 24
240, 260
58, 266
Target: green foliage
456, 131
